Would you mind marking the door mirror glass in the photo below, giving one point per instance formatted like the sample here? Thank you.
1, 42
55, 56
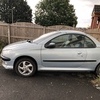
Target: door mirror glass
51, 45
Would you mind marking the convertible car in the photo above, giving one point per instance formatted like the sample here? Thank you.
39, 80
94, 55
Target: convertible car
64, 50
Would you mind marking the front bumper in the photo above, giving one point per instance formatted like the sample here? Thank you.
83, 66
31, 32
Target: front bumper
6, 62
5, 58
6, 66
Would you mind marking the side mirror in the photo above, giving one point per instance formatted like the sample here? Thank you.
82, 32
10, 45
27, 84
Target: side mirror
51, 45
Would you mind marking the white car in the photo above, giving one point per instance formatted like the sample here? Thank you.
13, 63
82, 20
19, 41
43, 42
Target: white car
64, 50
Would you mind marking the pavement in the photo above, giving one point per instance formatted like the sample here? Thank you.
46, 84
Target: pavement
47, 86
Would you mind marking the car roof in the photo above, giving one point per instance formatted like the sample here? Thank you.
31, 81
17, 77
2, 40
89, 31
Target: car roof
61, 32
64, 32
71, 31
54, 33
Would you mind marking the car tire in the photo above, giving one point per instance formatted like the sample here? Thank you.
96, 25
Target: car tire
25, 67
98, 70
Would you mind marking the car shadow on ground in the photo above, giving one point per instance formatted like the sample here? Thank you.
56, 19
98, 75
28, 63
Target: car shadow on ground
49, 74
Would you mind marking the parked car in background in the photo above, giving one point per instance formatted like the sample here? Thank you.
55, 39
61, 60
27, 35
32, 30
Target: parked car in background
64, 50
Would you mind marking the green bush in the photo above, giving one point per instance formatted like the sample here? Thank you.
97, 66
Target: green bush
2, 44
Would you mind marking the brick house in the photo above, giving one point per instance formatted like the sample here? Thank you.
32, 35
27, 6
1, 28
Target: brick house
95, 17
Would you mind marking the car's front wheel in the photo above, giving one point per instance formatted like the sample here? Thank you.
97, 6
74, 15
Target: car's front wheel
25, 67
98, 70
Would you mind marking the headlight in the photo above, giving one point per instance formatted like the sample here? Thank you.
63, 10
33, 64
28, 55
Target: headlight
6, 52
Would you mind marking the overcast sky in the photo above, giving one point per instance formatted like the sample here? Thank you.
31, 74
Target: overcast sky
83, 10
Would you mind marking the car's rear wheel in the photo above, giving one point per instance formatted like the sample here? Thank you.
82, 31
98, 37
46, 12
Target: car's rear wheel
25, 67
98, 70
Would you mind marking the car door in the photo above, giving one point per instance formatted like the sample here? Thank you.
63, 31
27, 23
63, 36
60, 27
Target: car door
66, 55
92, 54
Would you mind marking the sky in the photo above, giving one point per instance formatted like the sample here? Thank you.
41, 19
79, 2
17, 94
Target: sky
83, 10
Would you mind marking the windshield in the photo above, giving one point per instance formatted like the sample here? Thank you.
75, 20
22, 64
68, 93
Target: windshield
43, 37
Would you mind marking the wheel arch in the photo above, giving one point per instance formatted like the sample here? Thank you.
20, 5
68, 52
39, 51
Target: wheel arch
97, 66
25, 57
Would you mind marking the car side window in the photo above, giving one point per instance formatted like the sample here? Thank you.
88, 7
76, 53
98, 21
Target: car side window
71, 41
89, 43
76, 41
59, 41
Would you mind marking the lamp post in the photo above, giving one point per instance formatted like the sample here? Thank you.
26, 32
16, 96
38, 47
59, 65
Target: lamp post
12, 13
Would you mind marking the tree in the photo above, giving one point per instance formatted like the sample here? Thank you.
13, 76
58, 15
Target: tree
14, 11
55, 12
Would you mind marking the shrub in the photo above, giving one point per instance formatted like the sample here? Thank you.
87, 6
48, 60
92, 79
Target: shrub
2, 44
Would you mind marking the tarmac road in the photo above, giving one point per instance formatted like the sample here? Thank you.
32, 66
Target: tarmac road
47, 86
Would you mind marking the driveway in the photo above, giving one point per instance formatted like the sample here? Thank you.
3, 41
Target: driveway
47, 86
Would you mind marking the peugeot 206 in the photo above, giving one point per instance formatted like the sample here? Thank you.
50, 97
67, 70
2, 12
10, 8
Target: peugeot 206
65, 50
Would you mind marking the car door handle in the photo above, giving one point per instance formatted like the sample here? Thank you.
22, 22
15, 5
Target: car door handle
79, 53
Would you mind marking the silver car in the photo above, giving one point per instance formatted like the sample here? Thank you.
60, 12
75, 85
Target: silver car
65, 50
